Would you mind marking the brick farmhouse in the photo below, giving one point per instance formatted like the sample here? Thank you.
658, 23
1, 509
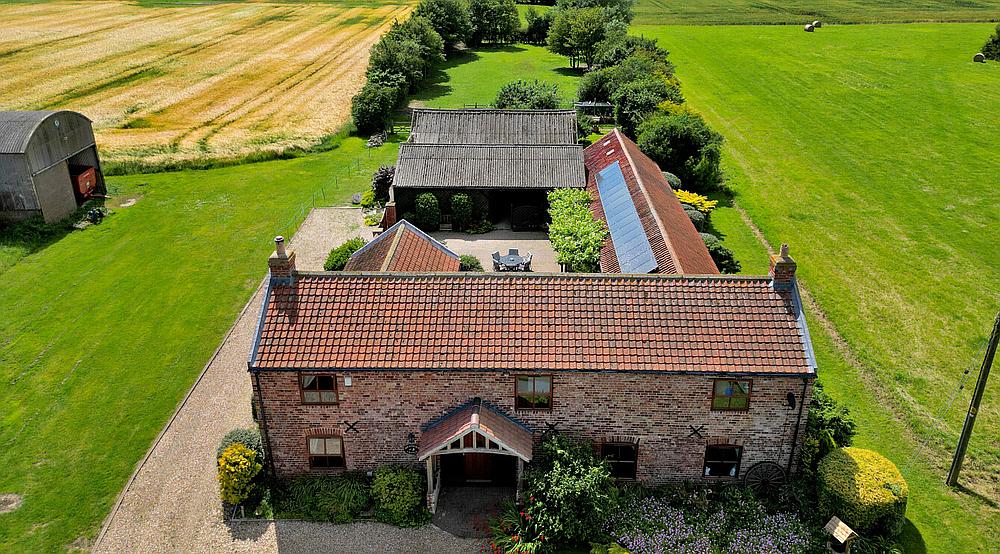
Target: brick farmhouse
673, 371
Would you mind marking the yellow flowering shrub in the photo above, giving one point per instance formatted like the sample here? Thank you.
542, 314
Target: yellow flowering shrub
864, 489
238, 466
698, 201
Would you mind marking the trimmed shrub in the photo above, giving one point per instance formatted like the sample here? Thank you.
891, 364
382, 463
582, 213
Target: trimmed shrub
992, 47
723, 257
469, 263
864, 489
368, 199
238, 465
461, 211
695, 200
249, 437
428, 212
574, 231
338, 256
696, 217
381, 181
673, 180
399, 496
527, 95
570, 491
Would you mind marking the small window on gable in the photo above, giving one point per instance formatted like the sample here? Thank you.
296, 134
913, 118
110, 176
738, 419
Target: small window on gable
731, 394
318, 389
533, 392
622, 457
326, 451
723, 460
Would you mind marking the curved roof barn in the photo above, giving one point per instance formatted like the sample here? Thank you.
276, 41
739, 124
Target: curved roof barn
43, 155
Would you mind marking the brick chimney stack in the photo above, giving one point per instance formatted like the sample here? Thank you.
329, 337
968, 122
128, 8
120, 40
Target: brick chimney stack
782, 270
281, 263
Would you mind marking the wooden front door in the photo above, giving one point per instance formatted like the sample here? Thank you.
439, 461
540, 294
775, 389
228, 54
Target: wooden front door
478, 468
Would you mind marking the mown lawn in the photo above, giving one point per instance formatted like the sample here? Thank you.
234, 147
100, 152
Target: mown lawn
473, 78
729, 12
873, 151
105, 330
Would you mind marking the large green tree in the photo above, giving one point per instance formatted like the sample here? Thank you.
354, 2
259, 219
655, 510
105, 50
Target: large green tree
493, 21
449, 18
575, 33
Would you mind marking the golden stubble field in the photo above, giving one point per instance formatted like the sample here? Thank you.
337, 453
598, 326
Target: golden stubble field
173, 82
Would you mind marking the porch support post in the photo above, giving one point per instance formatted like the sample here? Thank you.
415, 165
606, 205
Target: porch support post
520, 478
430, 484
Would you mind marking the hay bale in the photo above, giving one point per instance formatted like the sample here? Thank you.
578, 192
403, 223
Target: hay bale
817, 24
979, 58
809, 27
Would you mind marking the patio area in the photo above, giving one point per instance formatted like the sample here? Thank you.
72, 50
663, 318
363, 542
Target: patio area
543, 257
465, 511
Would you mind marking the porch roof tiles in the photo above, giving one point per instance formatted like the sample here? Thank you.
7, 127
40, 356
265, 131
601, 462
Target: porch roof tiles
550, 322
479, 415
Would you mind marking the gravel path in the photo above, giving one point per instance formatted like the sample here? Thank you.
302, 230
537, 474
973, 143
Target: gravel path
172, 503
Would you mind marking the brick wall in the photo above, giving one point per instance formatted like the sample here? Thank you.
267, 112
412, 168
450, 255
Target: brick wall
658, 410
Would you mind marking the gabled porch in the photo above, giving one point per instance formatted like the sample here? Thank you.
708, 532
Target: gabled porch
476, 443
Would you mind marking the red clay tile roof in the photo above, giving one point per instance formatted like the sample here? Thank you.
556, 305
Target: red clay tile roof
708, 324
405, 248
483, 417
676, 244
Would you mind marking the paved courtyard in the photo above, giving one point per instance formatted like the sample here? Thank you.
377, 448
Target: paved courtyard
543, 257
172, 504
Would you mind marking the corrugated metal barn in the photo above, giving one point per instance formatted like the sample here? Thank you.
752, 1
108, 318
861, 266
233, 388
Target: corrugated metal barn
48, 164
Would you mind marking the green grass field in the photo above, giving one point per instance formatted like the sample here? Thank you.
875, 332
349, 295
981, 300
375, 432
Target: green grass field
729, 12
475, 77
105, 330
873, 151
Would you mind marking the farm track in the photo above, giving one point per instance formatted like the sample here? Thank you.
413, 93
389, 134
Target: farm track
192, 82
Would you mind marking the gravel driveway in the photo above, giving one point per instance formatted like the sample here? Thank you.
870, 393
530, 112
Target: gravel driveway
172, 503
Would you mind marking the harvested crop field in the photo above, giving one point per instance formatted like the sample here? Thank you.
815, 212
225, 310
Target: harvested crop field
166, 83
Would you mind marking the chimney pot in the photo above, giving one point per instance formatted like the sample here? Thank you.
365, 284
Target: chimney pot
281, 263
782, 270
279, 246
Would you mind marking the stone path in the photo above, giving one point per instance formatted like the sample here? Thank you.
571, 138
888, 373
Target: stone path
172, 504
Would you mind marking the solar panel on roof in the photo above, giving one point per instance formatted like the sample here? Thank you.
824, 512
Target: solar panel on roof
631, 244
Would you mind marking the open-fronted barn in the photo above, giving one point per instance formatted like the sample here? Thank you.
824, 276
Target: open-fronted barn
48, 164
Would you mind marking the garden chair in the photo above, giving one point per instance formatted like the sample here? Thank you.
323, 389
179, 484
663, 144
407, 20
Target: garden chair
497, 266
513, 252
